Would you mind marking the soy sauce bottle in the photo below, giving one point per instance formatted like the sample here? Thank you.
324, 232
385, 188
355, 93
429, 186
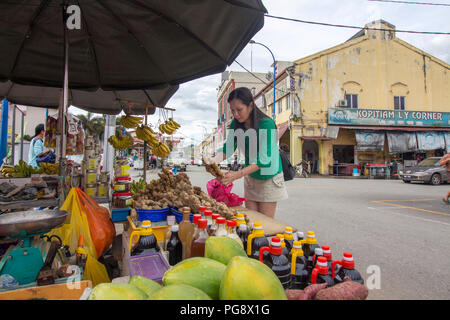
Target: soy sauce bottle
256, 240
277, 261
299, 274
284, 248
243, 233
288, 238
327, 254
175, 247
347, 269
320, 273
308, 246
147, 240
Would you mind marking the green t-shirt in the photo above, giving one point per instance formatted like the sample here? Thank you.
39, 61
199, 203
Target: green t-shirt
263, 148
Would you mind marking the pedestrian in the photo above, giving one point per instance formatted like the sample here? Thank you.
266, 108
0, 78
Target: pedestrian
445, 161
37, 148
263, 176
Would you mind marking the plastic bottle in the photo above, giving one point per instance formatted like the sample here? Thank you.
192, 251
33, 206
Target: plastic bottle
308, 246
240, 219
171, 220
185, 228
327, 254
175, 247
81, 257
243, 233
318, 252
201, 211
221, 231
191, 234
288, 238
320, 273
147, 240
256, 240
277, 261
347, 269
300, 236
232, 232
208, 217
284, 248
214, 225
299, 273
198, 243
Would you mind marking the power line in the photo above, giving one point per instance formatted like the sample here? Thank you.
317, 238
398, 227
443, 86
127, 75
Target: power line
254, 75
353, 27
414, 2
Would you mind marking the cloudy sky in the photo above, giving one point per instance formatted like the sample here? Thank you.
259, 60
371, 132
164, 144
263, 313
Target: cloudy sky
196, 101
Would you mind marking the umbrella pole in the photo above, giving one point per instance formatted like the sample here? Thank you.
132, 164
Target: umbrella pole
61, 114
145, 149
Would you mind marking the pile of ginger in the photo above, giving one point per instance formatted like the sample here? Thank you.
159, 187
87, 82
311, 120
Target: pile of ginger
178, 192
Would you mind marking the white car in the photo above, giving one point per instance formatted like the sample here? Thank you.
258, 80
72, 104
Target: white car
179, 163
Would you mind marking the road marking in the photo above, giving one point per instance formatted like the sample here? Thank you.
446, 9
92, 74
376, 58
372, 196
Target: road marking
408, 207
408, 216
317, 187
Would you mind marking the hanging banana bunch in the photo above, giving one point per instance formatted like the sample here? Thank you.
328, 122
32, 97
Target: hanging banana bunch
146, 134
161, 150
130, 122
121, 143
169, 127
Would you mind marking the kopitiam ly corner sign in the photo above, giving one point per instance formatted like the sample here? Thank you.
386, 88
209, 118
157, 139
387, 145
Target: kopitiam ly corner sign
376, 117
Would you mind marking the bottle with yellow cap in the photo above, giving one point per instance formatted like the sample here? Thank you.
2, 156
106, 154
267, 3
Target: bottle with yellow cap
289, 237
147, 241
256, 240
240, 219
308, 246
299, 272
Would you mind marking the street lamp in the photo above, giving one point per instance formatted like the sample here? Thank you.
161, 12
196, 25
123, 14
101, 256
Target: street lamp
273, 105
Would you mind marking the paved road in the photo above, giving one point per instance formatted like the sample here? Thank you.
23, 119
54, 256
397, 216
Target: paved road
402, 230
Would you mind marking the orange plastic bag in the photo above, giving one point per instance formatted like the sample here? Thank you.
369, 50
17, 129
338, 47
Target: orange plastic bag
101, 227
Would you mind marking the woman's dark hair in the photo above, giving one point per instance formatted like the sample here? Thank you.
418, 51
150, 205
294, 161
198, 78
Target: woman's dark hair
38, 129
244, 94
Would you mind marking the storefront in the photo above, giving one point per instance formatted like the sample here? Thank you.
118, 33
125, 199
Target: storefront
388, 139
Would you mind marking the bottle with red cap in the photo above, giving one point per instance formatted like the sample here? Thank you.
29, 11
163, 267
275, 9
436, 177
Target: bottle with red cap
347, 269
320, 273
201, 211
221, 230
232, 232
299, 274
327, 254
277, 261
214, 225
199, 240
208, 217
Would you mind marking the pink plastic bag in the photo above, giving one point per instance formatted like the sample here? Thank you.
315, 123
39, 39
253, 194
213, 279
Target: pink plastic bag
222, 193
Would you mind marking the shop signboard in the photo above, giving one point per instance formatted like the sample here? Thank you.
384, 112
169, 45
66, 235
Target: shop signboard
378, 117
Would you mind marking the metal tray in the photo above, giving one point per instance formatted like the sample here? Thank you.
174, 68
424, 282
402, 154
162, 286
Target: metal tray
31, 221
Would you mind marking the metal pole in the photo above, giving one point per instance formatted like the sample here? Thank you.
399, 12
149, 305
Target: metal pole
4, 130
21, 136
13, 134
274, 76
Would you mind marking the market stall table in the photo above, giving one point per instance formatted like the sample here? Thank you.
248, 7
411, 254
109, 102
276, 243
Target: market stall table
62, 291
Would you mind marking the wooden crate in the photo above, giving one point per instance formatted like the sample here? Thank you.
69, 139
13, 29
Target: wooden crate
51, 292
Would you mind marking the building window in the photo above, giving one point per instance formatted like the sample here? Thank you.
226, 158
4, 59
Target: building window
352, 101
280, 107
288, 102
399, 103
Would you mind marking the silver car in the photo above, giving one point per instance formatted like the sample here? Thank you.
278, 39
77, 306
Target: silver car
426, 171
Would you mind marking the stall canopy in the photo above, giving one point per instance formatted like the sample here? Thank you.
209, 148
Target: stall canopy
430, 140
121, 45
400, 142
369, 140
447, 140
98, 101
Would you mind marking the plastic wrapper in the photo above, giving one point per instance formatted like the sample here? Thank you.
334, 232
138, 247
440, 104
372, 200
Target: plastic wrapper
222, 193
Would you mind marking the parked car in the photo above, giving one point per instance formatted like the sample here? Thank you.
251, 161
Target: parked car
179, 163
426, 171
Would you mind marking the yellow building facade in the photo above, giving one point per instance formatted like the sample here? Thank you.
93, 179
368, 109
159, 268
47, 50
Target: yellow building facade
374, 82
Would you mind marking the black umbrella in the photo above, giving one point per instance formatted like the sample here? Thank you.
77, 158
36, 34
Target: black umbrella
123, 44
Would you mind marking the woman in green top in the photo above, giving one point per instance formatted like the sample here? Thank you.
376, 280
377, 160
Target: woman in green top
257, 140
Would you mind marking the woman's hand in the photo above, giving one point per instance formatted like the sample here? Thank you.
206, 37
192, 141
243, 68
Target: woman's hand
230, 177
